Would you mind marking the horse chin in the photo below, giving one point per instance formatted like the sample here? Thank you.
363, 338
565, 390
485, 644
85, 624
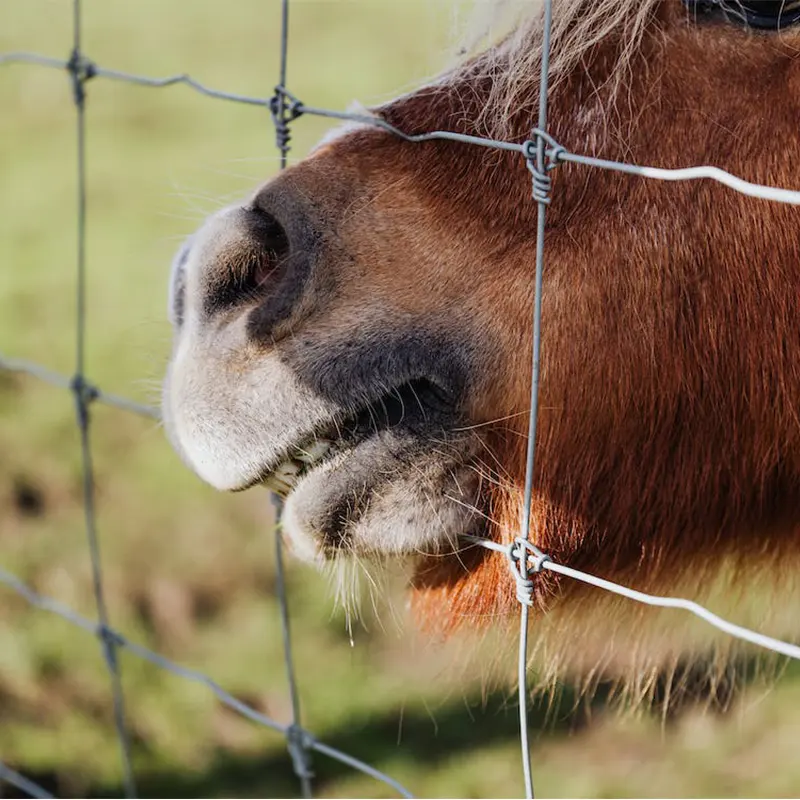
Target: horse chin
396, 493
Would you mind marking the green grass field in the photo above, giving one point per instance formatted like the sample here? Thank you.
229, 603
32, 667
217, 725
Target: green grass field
190, 572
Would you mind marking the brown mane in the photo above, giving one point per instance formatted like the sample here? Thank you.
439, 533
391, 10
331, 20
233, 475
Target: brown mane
503, 43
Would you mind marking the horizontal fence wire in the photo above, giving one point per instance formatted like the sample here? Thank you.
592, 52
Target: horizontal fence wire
22, 783
63, 382
554, 151
539, 561
79, 621
541, 154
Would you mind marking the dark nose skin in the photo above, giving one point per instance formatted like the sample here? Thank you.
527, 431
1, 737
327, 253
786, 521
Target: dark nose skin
287, 226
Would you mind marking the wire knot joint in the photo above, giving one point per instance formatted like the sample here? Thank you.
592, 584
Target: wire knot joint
84, 391
111, 641
284, 108
299, 743
80, 69
541, 164
85, 394
525, 559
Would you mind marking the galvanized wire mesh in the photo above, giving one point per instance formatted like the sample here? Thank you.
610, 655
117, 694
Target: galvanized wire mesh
541, 154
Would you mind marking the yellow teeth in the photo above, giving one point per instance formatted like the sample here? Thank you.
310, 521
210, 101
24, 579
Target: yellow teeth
278, 486
285, 476
313, 452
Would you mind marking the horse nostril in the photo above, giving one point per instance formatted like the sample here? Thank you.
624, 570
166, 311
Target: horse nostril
255, 258
274, 243
246, 256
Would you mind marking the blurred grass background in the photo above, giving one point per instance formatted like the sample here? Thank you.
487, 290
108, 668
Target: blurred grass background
189, 572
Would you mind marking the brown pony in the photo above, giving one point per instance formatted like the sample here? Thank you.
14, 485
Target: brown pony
357, 335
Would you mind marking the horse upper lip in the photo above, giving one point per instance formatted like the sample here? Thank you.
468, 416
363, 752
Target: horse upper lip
413, 404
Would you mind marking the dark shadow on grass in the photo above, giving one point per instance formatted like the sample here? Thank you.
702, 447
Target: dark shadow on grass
417, 736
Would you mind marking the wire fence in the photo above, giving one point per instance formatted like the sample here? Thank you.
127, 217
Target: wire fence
540, 154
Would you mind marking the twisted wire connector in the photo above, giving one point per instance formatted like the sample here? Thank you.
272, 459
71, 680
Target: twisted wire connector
85, 393
111, 640
80, 70
525, 558
284, 108
542, 182
299, 743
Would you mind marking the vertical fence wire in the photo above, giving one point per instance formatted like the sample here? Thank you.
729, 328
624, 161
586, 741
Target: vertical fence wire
542, 201
280, 96
84, 395
295, 736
